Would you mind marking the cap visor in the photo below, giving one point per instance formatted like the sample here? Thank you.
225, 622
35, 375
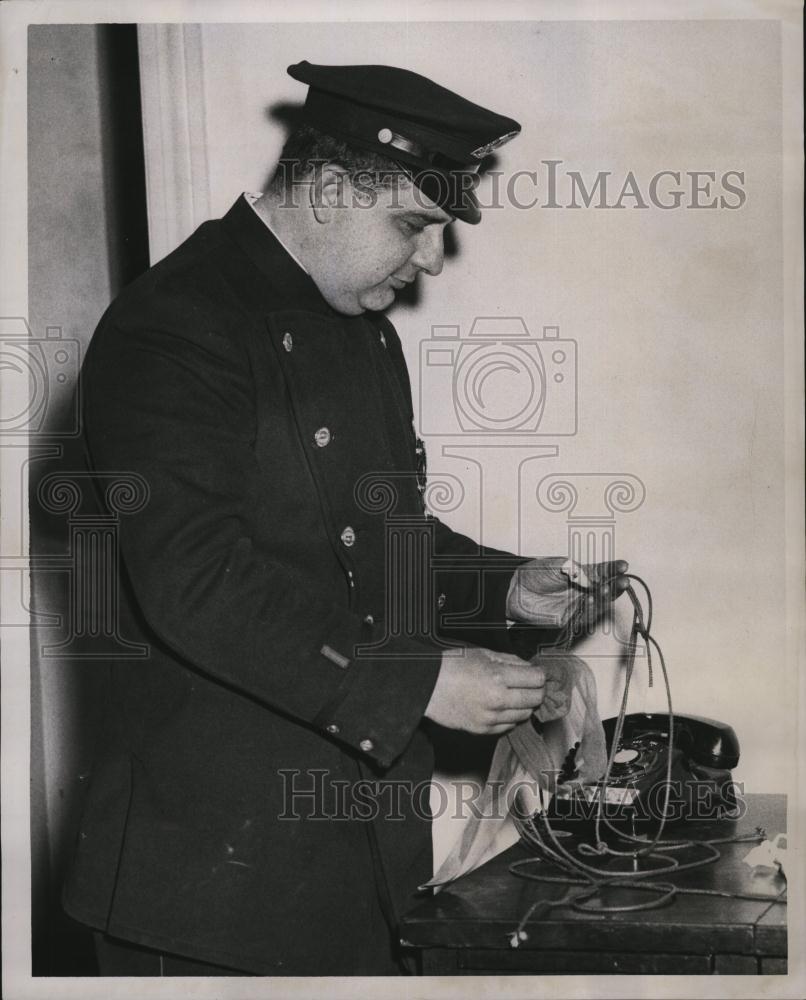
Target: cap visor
454, 192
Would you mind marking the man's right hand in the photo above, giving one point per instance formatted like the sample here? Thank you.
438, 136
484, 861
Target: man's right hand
484, 692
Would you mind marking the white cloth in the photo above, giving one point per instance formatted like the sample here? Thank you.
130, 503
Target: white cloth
529, 760
604, 649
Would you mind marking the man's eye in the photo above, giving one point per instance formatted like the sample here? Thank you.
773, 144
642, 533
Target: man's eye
410, 227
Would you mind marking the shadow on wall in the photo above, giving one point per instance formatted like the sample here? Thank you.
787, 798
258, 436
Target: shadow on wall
88, 237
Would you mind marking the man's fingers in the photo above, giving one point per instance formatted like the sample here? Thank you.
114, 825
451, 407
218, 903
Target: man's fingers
513, 717
523, 675
519, 699
499, 730
610, 588
604, 571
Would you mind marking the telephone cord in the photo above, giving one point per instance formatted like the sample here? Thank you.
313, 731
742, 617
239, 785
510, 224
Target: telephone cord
596, 879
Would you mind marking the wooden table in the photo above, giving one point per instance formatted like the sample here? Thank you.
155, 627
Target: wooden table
465, 928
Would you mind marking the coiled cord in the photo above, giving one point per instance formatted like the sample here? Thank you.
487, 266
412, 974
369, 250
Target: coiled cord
594, 879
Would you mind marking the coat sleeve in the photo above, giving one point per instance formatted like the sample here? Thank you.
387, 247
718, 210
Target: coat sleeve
472, 583
173, 402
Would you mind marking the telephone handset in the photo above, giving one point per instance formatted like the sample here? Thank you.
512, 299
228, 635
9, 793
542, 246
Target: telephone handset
700, 784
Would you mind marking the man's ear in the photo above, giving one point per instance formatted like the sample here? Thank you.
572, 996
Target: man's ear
328, 191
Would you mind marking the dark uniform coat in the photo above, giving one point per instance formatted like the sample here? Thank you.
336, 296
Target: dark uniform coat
253, 411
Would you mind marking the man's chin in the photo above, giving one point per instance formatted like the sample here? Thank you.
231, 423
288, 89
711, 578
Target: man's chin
375, 299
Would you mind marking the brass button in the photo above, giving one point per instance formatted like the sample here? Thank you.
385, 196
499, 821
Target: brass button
288, 342
322, 437
385, 135
333, 728
367, 746
441, 601
369, 620
348, 537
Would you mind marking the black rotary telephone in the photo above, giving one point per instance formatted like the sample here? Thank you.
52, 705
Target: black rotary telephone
700, 784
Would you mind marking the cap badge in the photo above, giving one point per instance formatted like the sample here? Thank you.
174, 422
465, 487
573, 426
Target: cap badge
388, 137
482, 151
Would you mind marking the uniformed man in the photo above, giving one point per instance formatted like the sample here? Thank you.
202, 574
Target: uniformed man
254, 383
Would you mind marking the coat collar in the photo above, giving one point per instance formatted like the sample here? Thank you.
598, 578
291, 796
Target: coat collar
290, 284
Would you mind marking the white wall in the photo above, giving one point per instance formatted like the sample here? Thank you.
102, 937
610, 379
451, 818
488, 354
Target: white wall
677, 314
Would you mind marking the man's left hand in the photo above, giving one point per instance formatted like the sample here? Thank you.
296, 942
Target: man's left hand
544, 592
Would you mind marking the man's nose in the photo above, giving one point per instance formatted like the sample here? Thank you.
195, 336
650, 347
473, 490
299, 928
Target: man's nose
430, 253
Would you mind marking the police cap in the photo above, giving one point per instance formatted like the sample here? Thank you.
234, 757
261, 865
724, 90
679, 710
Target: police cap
436, 137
